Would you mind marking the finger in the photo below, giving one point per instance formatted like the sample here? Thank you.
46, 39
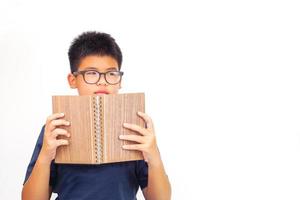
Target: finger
147, 119
59, 131
61, 142
136, 128
54, 116
58, 122
135, 138
138, 147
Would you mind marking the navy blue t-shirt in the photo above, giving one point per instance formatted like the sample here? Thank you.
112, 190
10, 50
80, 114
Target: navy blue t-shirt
107, 181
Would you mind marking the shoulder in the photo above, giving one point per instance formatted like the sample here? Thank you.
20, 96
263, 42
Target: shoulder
41, 136
35, 153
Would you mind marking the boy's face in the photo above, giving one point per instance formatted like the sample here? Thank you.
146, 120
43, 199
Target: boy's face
101, 64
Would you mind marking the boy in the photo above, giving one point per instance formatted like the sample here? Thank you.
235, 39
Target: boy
95, 60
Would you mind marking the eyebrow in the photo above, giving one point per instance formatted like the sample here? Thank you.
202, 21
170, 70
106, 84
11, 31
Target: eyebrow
94, 68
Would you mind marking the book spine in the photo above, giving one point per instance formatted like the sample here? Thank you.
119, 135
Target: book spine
98, 128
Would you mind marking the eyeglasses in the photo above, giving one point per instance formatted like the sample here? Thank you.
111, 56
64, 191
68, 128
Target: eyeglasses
93, 76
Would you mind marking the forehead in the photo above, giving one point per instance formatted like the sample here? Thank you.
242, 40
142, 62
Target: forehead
100, 63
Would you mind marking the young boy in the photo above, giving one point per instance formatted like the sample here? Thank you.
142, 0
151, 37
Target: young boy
95, 60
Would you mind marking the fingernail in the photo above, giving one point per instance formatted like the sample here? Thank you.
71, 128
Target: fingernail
62, 114
120, 136
125, 124
68, 123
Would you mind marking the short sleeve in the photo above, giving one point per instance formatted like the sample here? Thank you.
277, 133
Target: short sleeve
34, 157
142, 173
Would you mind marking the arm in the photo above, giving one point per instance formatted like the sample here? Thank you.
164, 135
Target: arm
37, 186
158, 187
158, 184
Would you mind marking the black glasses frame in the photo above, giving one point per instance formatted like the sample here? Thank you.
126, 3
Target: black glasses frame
100, 73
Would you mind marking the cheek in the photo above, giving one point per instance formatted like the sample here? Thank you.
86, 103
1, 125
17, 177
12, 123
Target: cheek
114, 89
85, 89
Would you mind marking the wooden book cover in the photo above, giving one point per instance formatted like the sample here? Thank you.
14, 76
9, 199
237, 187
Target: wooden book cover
96, 123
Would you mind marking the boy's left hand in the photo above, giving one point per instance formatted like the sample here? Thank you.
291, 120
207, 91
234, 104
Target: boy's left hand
146, 141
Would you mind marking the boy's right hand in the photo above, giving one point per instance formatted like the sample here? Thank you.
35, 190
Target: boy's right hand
50, 141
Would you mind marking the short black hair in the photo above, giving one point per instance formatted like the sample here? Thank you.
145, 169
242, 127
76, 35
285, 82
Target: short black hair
93, 43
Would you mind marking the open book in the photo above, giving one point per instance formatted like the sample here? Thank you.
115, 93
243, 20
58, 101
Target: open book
96, 123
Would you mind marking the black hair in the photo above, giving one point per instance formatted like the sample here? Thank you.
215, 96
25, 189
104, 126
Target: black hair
93, 43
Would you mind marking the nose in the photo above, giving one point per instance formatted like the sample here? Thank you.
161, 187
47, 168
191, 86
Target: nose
101, 81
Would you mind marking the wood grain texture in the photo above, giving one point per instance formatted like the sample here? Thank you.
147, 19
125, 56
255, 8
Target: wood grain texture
78, 111
116, 109
120, 109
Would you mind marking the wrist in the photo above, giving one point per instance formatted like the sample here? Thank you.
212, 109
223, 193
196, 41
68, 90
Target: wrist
44, 159
155, 159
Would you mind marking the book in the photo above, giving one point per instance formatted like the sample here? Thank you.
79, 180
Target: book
96, 121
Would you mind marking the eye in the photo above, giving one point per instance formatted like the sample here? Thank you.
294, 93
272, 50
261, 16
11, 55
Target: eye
113, 73
90, 73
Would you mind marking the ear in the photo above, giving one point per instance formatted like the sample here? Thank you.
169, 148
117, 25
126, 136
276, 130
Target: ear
72, 81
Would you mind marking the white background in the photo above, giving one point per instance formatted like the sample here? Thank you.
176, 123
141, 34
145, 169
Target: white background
221, 80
